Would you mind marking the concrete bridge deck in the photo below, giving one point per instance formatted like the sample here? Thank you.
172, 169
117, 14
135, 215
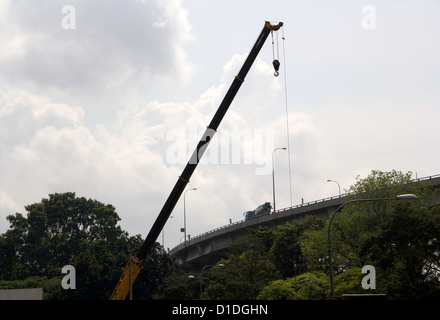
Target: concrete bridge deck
209, 247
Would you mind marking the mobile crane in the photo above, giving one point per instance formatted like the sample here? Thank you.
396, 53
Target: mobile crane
133, 266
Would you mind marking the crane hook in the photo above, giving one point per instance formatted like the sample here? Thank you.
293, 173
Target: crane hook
276, 65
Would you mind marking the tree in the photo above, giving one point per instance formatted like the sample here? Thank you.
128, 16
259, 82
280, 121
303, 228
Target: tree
349, 281
359, 221
260, 239
390, 184
266, 255
68, 230
314, 249
399, 239
59, 228
307, 286
407, 250
279, 290
242, 277
286, 249
176, 286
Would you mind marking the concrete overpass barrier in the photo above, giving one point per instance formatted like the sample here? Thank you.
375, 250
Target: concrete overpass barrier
213, 245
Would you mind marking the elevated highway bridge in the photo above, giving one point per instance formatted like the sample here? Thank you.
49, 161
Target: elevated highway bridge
209, 247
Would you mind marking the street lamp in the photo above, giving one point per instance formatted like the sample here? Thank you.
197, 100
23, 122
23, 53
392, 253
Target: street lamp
201, 274
337, 184
184, 212
407, 197
273, 178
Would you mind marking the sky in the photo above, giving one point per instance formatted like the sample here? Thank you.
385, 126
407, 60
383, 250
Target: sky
108, 99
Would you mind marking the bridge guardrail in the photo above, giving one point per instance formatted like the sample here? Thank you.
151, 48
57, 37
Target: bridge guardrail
244, 220
285, 209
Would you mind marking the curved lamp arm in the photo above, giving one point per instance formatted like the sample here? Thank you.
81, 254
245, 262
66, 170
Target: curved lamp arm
407, 197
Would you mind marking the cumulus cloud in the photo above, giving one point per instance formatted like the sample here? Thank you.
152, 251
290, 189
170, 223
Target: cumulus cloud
50, 151
126, 161
123, 46
54, 80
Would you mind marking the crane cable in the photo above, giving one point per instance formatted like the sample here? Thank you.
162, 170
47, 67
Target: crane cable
276, 64
276, 61
287, 114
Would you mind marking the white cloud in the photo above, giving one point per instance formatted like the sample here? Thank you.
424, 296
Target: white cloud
119, 48
69, 99
52, 151
124, 162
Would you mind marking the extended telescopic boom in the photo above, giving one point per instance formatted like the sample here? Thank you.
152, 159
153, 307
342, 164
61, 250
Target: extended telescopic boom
123, 285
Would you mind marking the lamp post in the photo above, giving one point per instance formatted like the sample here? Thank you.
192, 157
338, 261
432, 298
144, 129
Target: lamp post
184, 212
201, 274
399, 197
273, 178
337, 184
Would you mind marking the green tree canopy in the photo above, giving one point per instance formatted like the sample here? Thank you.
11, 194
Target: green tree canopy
59, 228
398, 238
242, 277
286, 252
307, 286
67, 230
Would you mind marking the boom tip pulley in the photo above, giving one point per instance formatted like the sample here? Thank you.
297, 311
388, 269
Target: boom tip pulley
273, 27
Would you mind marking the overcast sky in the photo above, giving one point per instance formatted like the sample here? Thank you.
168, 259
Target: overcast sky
108, 99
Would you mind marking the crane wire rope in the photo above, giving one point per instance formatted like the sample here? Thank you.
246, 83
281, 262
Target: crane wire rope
276, 61
287, 113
